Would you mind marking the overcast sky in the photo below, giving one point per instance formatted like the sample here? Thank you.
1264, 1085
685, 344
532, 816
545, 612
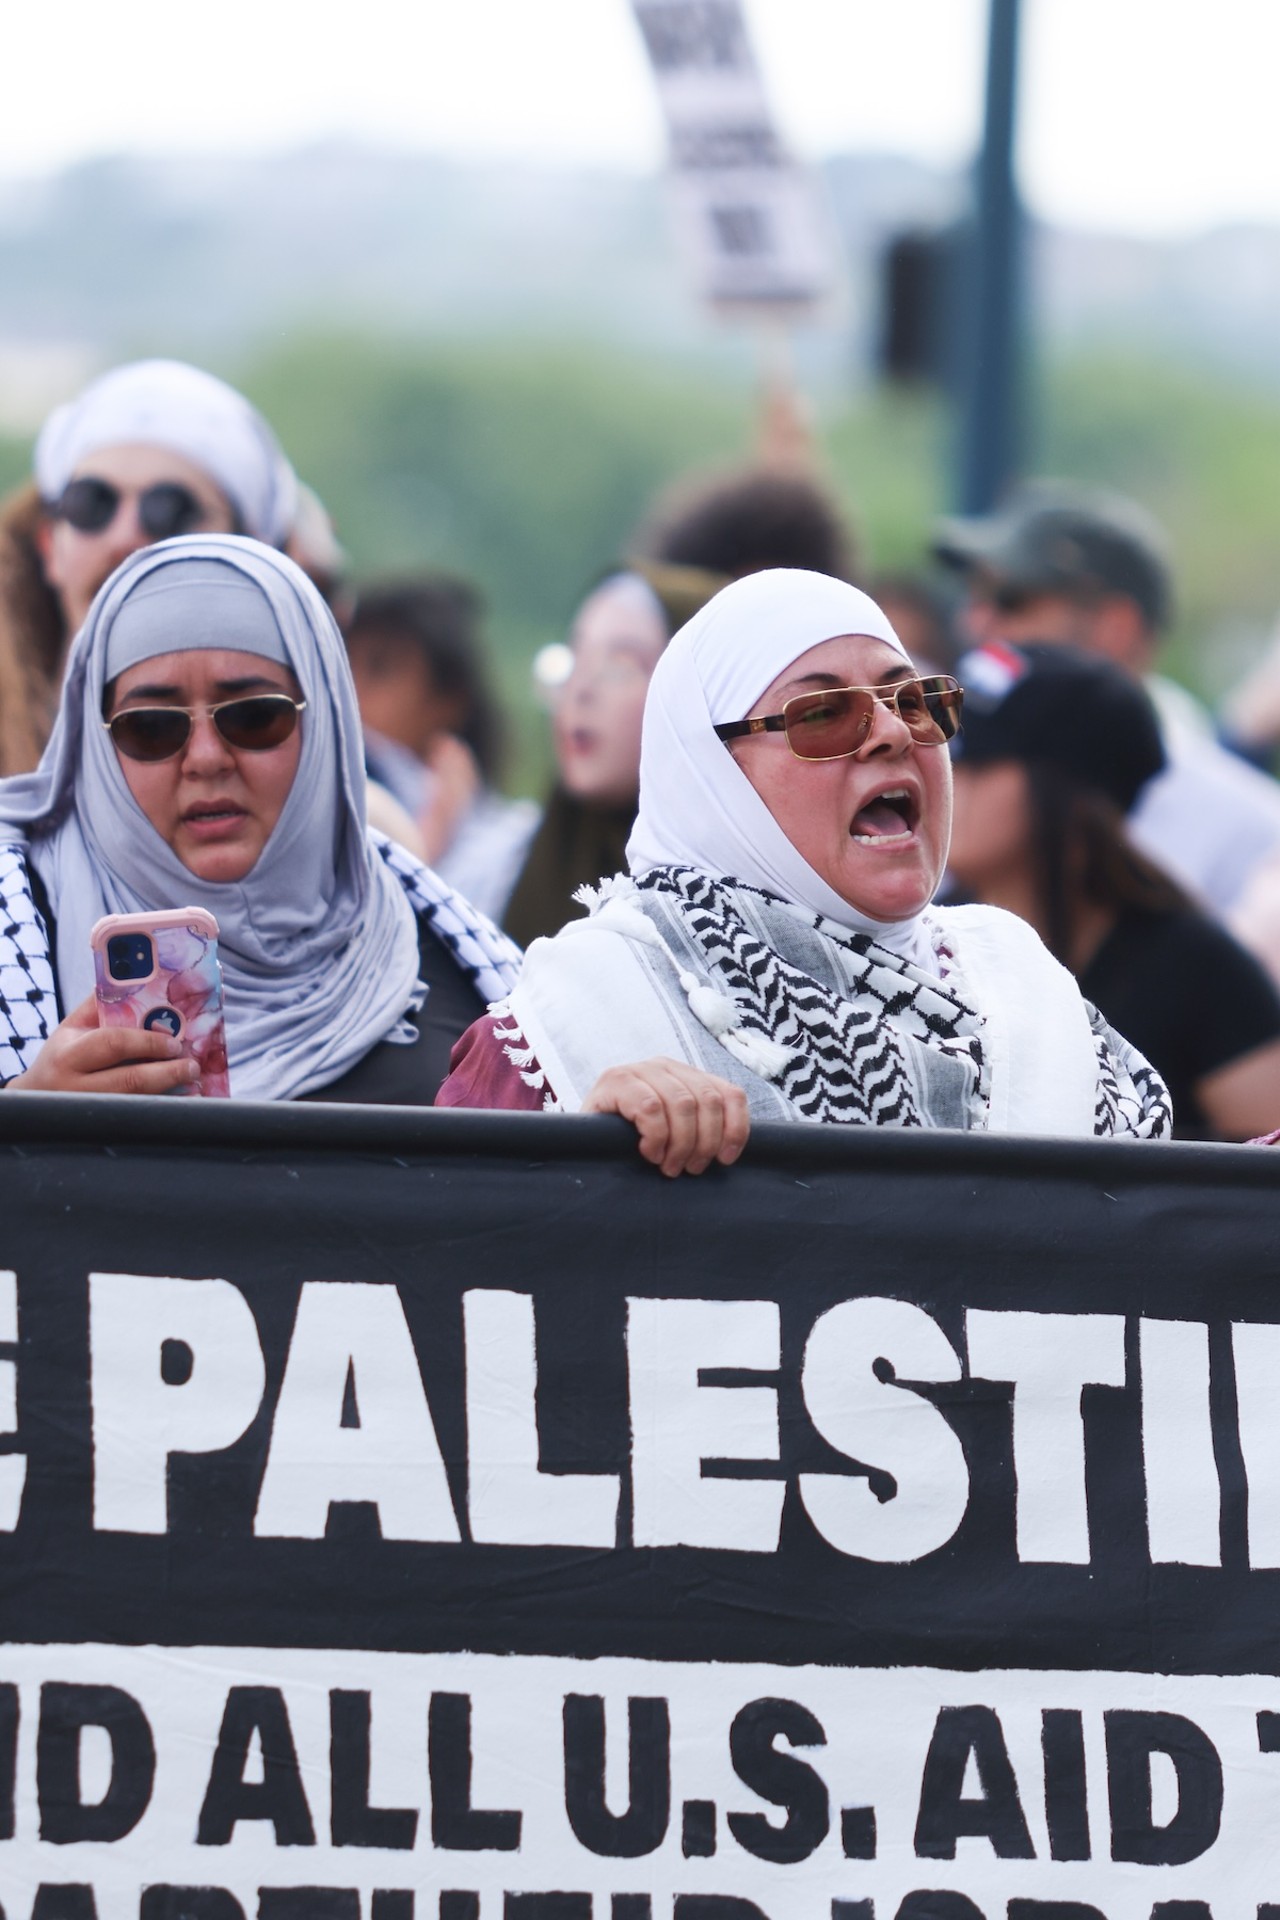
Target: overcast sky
1139, 115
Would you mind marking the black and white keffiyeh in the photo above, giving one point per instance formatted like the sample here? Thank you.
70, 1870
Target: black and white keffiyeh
861, 1035
1132, 1098
28, 994
822, 1023
488, 958
855, 1055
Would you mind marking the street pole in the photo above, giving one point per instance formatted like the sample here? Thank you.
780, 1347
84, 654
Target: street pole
991, 344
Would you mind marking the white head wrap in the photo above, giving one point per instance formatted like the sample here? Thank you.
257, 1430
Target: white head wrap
318, 942
165, 403
697, 807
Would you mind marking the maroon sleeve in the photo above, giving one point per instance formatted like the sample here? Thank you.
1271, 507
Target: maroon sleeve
481, 1075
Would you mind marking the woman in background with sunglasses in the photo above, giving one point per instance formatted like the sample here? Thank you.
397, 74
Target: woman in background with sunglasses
777, 929
146, 452
207, 752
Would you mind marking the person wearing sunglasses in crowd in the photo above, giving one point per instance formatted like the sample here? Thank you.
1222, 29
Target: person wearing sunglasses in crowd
776, 930
146, 452
208, 752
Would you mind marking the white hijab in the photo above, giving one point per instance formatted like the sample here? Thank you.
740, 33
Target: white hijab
165, 403
697, 807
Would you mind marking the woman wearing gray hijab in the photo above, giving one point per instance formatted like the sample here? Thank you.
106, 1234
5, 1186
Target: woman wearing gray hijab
348, 968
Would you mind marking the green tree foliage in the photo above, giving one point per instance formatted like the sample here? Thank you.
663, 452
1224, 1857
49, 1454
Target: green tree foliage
524, 467
888, 453
15, 464
527, 467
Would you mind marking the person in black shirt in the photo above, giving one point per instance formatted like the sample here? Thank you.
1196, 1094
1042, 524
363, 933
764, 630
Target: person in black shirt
1056, 748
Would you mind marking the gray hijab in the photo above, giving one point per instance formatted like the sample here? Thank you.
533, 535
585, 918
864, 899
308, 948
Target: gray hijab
319, 946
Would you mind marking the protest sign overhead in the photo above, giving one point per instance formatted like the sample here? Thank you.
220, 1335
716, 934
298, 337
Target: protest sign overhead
749, 217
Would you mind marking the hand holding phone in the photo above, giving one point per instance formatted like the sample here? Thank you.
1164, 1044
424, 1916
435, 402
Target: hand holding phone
81, 1057
158, 973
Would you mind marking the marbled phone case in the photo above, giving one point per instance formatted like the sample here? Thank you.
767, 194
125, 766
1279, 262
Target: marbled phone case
183, 994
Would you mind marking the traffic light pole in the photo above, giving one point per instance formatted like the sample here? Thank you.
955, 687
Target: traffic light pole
991, 346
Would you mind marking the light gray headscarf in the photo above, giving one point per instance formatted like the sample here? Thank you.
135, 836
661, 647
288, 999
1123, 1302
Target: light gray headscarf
318, 943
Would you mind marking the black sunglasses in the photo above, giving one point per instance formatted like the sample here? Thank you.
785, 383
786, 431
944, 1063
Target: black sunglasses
252, 725
834, 723
164, 510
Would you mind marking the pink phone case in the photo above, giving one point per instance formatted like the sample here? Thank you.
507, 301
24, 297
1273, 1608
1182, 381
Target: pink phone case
182, 993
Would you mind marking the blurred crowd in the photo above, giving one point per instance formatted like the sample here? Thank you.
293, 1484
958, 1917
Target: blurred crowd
1094, 798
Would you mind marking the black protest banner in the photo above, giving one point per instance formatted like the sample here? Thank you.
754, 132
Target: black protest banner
416, 1515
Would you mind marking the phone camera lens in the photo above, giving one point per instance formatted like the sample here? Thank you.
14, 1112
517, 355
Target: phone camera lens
129, 957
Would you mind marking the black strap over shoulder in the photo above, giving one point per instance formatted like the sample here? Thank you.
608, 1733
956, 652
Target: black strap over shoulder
40, 896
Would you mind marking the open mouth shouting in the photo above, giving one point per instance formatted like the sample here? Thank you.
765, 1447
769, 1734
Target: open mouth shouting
888, 819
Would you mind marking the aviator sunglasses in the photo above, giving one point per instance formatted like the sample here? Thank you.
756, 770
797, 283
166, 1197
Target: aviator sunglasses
254, 724
835, 721
164, 510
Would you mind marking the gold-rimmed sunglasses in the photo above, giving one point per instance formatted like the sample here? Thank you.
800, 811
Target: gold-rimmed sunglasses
835, 721
252, 724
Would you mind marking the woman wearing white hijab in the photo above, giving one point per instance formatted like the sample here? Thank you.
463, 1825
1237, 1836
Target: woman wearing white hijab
145, 452
207, 753
777, 928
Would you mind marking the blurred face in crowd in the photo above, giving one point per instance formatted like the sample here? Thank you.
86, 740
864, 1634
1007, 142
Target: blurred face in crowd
214, 804
397, 690
875, 824
997, 610
77, 560
1093, 621
991, 826
617, 639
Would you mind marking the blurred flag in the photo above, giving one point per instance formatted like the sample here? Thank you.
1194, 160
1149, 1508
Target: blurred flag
749, 217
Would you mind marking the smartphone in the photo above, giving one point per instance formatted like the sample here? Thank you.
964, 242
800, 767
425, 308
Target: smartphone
160, 971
